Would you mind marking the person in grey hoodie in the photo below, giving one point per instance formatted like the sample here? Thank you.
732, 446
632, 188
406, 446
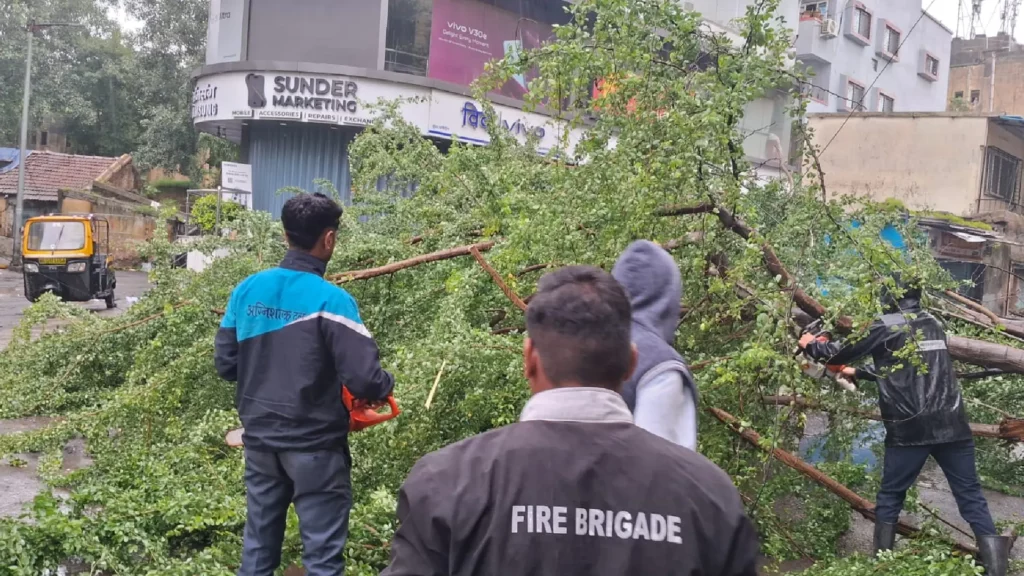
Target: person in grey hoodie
661, 392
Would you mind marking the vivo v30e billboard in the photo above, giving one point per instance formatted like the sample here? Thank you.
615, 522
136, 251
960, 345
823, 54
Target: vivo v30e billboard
467, 34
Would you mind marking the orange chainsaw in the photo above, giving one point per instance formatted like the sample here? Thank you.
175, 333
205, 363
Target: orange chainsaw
362, 414
818, 370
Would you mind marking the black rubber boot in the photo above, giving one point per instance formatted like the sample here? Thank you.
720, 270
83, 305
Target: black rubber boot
885, 536
995, 554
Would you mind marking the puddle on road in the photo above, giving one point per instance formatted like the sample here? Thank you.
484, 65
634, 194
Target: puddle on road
20, 483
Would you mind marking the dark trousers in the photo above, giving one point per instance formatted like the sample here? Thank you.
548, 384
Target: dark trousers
319, 485
904, 463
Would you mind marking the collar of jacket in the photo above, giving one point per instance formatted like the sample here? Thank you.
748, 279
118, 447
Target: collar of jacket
303, 262
576, 404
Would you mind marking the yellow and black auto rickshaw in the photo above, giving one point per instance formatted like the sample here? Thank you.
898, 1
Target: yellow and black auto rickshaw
69, 256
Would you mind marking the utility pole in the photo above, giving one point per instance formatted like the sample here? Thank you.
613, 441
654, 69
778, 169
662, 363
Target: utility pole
19, 205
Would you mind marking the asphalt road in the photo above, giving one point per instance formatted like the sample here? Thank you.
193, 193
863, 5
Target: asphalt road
13, 302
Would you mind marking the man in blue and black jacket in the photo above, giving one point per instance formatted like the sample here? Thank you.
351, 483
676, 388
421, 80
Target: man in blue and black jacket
290, 339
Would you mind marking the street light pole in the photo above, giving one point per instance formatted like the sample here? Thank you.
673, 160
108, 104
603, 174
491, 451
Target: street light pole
19, 205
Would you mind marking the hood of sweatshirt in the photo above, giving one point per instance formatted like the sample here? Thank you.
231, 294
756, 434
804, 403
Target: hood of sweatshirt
654, 286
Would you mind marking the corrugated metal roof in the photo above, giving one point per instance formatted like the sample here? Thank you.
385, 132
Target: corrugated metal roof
296, 155
48, 172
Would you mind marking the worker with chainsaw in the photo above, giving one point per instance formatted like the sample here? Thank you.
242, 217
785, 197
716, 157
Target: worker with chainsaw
661, 392
291, 339
924, 415
574, 488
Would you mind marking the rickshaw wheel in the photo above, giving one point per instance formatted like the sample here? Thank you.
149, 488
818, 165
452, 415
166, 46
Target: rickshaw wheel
110, 300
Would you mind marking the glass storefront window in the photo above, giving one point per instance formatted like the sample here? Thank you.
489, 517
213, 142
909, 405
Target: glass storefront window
407, 45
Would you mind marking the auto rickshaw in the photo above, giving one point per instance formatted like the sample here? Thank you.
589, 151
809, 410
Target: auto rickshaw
69, 256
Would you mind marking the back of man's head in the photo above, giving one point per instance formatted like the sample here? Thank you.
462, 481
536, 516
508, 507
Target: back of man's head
579, 331
307, 218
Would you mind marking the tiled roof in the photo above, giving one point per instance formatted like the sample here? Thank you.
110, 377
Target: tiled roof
48, 172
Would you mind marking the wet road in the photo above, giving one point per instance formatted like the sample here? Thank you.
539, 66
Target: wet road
13, 302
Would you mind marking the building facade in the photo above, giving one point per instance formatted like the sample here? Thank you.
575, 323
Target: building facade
291, 82
987, 75
960, 164
846, 45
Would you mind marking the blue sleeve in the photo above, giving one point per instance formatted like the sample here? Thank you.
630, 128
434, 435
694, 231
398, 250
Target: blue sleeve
225, 356
354, 351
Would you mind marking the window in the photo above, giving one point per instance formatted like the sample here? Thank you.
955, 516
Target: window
975, 97
407, 42
874, 64
1002, 174
815, 8
855, 96
959, 94
862, 22
931, 65
1018, 272
44, 138
892, 42
885, 102
56, 236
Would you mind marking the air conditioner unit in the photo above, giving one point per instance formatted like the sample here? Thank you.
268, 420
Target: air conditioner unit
829, 28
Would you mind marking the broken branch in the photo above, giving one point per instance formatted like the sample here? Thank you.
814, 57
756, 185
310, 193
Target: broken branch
497, 279
974, 306
397, 266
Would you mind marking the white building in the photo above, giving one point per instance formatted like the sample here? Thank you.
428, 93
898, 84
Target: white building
847, 44
766, 125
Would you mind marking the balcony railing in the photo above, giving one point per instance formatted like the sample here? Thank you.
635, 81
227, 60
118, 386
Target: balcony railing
816, 93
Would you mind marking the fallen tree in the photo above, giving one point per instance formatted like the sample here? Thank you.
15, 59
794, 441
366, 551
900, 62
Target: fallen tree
153, 413
1009, 429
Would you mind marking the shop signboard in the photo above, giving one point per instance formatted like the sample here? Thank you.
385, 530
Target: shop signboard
297, 97
236, 177
460, 117
466, 34
343, 100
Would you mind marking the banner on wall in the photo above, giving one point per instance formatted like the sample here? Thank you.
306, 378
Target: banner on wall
465, 35
224, 32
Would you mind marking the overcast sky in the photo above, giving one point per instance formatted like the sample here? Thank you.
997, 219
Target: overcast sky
944, 10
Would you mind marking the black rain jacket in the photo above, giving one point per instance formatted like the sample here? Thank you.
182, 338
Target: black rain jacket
562, 493
919, 407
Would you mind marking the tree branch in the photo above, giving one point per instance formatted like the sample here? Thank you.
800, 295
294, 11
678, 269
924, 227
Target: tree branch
497, 279
397, 266
1009, 429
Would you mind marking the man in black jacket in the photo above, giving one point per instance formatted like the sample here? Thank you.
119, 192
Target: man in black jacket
574, 488
291, 339
924, 415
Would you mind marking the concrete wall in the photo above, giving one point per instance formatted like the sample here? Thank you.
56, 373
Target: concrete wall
349, 32
929, 162
128, 226
900, 79
1008, 88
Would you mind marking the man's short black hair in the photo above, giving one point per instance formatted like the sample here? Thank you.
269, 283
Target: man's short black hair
306, 216
579, 322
